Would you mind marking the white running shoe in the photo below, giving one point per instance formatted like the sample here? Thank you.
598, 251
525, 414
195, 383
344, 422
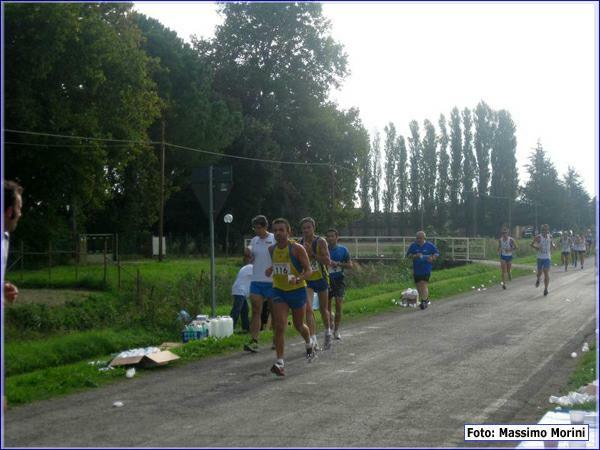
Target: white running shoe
337, 336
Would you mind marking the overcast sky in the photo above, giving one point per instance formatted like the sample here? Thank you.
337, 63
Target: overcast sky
417, 60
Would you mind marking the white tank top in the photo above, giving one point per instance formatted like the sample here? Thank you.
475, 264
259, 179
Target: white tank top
545, 247
566, 244
506, 246
261, 257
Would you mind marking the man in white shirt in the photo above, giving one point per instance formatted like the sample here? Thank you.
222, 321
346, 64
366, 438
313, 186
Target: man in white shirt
261, 285
240, 291
12, 213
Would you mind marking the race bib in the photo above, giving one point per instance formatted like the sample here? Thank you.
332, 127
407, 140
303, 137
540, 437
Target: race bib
281, 269
314, 265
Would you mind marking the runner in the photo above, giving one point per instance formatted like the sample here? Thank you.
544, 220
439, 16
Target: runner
566, 243
581, 250
261, 284
316, 248
290, 267
589, 240
340, 260
544, 245
573, 251
423, 253
506, 246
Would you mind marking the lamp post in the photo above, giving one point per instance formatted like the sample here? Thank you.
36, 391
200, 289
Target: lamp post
227, 219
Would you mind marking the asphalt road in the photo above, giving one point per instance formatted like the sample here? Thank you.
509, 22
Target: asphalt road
400, 379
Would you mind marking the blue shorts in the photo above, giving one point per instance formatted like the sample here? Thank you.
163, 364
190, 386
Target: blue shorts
318, 285
543, 264
507, 258
262, 288
295, 299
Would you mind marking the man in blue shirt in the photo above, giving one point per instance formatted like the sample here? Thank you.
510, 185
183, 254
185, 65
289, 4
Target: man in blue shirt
339, 260
423, 253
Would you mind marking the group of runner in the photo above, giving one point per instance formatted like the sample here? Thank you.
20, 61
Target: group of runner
287, 274
573, 246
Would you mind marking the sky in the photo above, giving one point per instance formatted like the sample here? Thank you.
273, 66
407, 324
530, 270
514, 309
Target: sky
415, 61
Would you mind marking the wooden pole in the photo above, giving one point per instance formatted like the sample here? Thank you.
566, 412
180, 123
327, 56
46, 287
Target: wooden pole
162, 194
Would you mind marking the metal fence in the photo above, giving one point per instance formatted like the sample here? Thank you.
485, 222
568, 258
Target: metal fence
395, 247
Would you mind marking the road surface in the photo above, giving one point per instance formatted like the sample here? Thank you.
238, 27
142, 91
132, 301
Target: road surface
401, 379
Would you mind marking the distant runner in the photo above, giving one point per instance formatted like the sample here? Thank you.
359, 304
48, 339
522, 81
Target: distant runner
506, 246
565, 249
423, 254
340, 260
544, 245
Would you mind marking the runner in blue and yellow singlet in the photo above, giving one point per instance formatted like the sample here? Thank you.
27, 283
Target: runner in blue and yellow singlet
318, 252
290, 270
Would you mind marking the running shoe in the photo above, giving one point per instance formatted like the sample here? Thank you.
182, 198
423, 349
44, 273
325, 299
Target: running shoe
311, 353
537, 283
251, 347
545, 292
337, 336
423, 304
327, 342
278, 370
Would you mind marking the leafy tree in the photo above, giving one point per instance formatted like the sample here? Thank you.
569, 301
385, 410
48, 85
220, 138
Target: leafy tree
416, 177
91, 78
469, 171
391, 158
456, 157
484, 137
376, 171
575, 204
505, 181
429, 167
402, 177
443, 178
278, 62
542, 192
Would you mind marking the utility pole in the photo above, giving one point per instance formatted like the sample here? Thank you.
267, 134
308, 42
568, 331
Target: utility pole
162, 194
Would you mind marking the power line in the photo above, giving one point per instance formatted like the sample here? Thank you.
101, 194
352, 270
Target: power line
175, 146
31, 144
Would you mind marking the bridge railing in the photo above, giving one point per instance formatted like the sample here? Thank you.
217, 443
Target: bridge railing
394, 247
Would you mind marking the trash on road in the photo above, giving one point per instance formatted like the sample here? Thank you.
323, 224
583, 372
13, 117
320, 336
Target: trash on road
147, 357
574, 355
118, 404
130, 373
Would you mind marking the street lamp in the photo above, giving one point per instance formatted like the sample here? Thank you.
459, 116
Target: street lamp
228, 218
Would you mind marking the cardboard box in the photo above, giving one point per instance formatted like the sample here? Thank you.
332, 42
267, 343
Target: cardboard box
151, 360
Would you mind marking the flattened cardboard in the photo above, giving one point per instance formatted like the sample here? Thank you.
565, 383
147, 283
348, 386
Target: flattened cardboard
153, 359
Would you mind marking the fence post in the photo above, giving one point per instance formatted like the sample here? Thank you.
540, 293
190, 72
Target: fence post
484, 246
49, 263
452, 247
356, 247
77, 250
22, 260
468, 258
105, 243
377, 246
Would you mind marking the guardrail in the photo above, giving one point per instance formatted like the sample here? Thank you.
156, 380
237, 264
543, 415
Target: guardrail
394, 247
